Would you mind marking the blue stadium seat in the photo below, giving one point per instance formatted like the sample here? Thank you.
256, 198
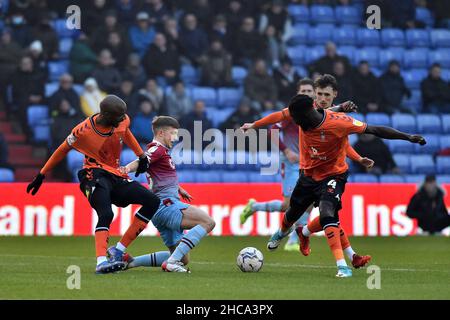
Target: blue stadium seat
238, 74
443, 179
207, 94
345, 36
314, 53
377, 72
37, 115
74, 160
380, 119
367, 37
299, 35
416, 58
445, 123
348, 15
433, 145
445, 74
391, 178
57, 68
440, 38
414, 102
404, 122
364, 178
218, 116
414, 77
444, 142
127, 156
443, 164
400, 146
6, 175
51, 88
297, 54
402, 161
78, 88
424, 15
321, 14
388, 54
347, 51
235, 176
189, 75
319, 35
301, 71
369, 54
441, 56
228, 97
352, 139
392, 37
142, 178
61, 29
429, 123
65, 44
299, 13
258, 177
417, 38
186, 176
423, 163
41, 133
415, 178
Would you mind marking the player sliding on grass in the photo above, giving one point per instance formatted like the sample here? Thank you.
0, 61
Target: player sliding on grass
324, 89
324, 171
99, 138
173, 216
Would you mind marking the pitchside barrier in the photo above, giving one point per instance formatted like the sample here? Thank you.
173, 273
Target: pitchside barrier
60, 209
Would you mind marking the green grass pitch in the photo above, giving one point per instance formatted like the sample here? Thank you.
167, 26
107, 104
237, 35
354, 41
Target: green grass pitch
411, 268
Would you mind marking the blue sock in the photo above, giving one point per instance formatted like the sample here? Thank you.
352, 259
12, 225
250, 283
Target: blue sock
188, 242
154, 259
271, 206
303, 221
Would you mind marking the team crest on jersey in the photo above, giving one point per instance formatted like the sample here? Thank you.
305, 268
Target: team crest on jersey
357, 123
322, 136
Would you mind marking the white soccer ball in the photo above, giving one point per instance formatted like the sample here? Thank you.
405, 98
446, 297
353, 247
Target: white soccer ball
250, 260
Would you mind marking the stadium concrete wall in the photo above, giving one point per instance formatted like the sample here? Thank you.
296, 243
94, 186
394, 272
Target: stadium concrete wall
60, 209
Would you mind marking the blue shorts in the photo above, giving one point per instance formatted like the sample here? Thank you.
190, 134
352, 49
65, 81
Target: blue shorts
168, 220
289, 175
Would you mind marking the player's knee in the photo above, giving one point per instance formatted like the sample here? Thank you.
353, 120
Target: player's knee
209, 224
327, 213
105, 217
149, 207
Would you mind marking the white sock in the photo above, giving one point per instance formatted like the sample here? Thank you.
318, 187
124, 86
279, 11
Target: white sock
121, 247
306, 232
349, 252
101, 259
341, 263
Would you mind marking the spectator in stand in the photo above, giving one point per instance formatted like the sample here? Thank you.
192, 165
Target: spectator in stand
374, 148
249, 44
441, 10
158, 12
141, 126
286, 79
120, 50
21, 31
91, 97
243, 114
4, 154
152, 92
126, 12
172, 34
65, 119
234, 14
435, 92
261, 88
10, 54
366, 89
221, 32
101, 34
135, 71
127, 94
27, 89
82, 59
404, 14
393, 89
178, 102
193, 40
107, 76
201, 9
45, 33
198, 114
344, 81
278, 17
65, 92
35, 51
325, 64
275, 48
94, 15
141, 34
216, 67
428, 207
161, 62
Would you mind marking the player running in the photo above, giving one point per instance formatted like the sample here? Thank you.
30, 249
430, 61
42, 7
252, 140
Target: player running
324, 171
173, 216
100, 138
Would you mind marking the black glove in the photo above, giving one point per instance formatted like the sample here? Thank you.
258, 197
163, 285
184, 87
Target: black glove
142, 166
35, 184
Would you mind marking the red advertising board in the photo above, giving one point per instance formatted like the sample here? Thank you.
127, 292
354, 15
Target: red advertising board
61, 209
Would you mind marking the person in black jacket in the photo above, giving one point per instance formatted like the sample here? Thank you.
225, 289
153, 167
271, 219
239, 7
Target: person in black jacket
65, 92
428, 207
366, 89
435, 92
393, 88
286, 79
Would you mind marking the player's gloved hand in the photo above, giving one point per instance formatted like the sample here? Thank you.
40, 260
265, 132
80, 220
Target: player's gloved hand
35, 184
349, 106
142, 166
415, 138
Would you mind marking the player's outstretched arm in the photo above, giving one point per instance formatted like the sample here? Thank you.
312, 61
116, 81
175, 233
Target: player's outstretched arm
393, 134
347, 107
131, 167
267, 120
56, 157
